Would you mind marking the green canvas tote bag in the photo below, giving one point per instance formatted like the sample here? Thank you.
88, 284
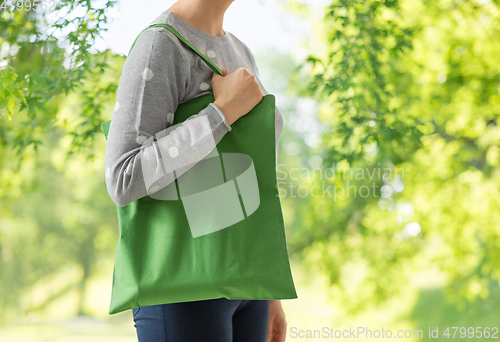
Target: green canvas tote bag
217, 231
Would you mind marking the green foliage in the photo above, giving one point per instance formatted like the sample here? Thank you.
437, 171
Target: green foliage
409, 98
411, 86
56, 91
46, 61
364, 39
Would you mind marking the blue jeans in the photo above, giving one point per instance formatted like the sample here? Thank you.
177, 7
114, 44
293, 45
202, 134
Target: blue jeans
213, 320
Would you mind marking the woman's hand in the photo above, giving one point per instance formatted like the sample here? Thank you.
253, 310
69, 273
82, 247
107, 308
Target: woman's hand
276, 329
236, 94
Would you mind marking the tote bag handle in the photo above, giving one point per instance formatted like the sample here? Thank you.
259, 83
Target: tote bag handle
184, 40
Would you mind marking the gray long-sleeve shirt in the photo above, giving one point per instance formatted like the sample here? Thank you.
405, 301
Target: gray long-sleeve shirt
160, 73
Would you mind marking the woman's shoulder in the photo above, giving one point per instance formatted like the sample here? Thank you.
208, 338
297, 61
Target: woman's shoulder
157, 39
159, 52
239, 43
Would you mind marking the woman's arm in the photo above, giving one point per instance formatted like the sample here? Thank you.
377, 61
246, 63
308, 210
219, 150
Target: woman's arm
152, 85
277, 324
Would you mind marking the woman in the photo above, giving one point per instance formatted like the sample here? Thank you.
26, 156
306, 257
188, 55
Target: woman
159, 74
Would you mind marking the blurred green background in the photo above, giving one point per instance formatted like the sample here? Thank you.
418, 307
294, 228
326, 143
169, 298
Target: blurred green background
388, 169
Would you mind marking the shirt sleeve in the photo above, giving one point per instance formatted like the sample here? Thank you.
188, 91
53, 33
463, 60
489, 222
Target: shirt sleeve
144, 150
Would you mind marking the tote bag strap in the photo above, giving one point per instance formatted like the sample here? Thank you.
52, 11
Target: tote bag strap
184, 40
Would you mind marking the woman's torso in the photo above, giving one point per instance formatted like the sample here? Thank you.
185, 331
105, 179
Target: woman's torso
225, 51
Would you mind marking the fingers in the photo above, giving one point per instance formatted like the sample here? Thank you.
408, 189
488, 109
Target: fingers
224, 71
281, 333
270, 328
